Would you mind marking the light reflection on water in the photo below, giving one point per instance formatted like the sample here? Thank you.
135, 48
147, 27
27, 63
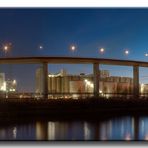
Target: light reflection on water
123, 128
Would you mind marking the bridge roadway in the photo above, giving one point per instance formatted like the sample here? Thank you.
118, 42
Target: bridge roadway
79, 60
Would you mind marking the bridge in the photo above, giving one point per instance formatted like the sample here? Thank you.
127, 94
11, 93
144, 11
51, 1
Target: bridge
79, 60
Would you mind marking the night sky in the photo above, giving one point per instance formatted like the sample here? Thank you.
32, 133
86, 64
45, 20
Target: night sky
56, 30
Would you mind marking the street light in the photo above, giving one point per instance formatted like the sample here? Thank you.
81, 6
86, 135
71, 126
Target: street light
126, 52
6, 47
40, 47
73, 48
102, 50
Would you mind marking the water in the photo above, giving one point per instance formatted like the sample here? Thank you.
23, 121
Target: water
123, 128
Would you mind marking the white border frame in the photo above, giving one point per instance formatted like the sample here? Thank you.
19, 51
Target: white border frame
73, 3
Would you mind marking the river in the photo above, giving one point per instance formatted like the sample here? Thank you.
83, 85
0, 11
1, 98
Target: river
117, 128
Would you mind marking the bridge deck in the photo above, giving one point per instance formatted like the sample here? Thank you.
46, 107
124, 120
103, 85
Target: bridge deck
70, 60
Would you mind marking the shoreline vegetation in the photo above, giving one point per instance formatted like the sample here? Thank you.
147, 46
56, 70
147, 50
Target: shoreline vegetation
70, 109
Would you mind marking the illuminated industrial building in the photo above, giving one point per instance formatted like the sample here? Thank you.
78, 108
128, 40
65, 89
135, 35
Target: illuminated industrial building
11, 85
2, 82
63, 83
7, 85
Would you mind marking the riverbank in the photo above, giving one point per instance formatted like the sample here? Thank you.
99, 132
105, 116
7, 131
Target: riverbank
91, 108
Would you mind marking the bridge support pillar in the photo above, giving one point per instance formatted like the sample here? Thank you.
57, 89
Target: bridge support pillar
96, 79
136, 81
45, 80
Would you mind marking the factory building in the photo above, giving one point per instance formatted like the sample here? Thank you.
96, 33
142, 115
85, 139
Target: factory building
63, 83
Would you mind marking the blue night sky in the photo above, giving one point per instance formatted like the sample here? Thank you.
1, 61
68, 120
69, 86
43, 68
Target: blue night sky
89, 29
